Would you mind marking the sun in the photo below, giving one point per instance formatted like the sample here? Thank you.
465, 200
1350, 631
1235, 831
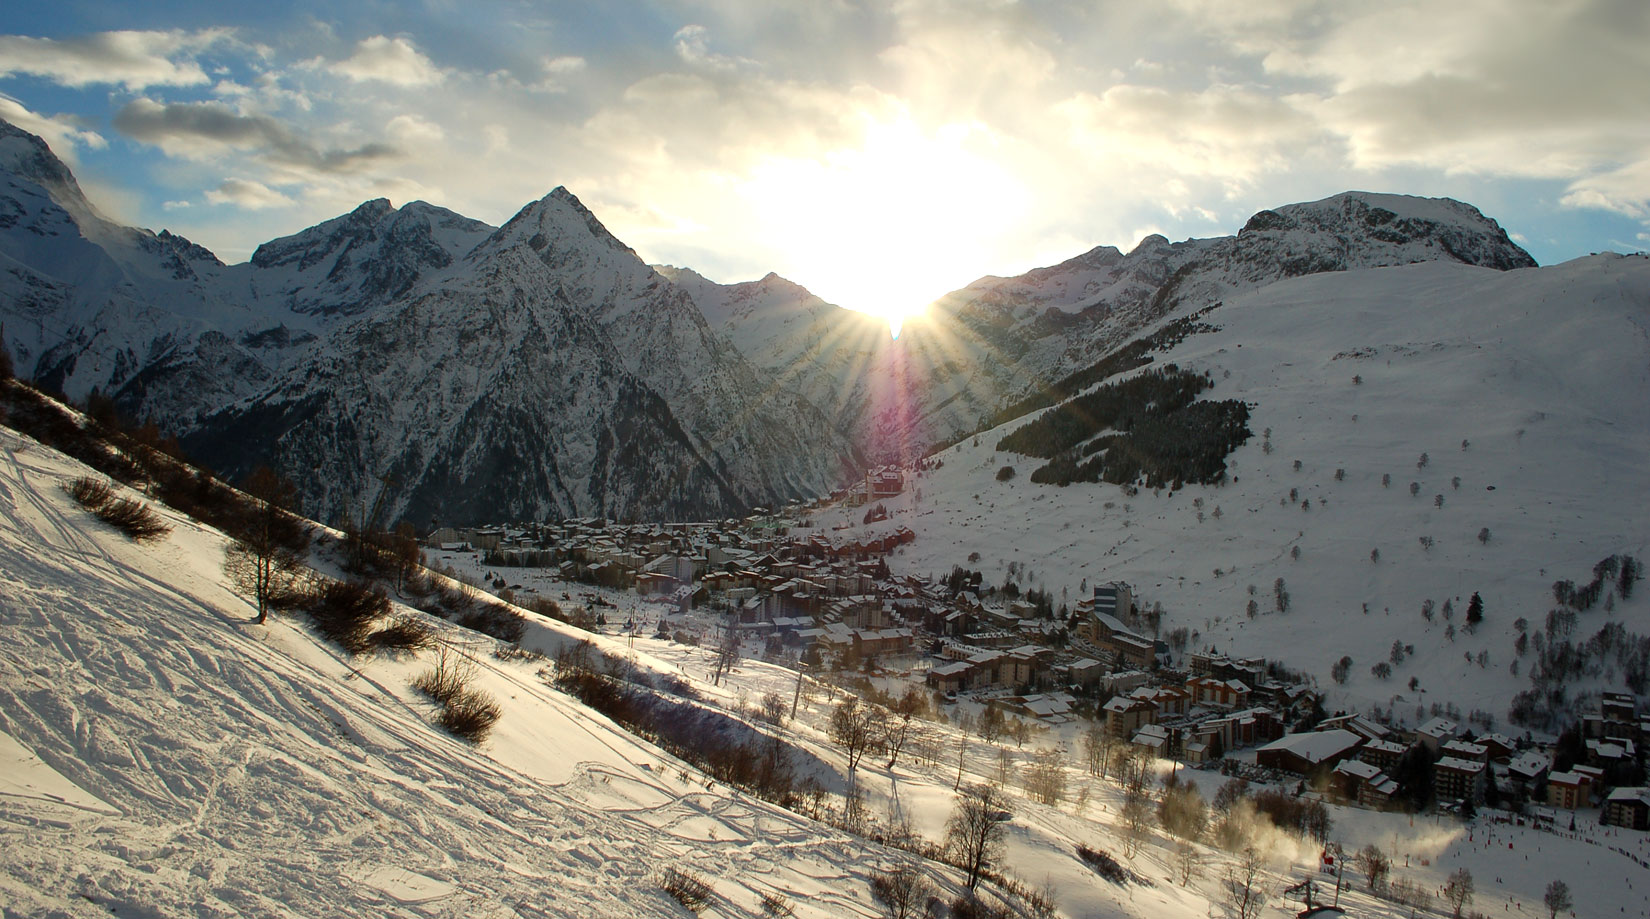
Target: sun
888, 226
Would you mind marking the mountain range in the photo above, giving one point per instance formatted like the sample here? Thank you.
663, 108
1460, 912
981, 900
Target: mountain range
449, 370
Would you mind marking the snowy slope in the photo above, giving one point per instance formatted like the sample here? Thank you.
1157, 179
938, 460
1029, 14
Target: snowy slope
164, 756
174, 759
1543, 373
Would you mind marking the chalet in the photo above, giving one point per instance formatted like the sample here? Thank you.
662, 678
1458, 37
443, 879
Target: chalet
1628, 807
1350, 776
1170, 700
1125, 716
1528, 773
1108, 633
1383, 754
1456, 779
1222, 694
882, 641
1241, 729
949, 678
1309, 753
1154, 740
1498, 747
1464, 749
1379, 792
652, 583
1437, 732
1081, 672
1569, 790
1606, 753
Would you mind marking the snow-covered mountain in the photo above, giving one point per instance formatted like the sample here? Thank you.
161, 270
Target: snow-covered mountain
1504, 417
985, 346
477, 373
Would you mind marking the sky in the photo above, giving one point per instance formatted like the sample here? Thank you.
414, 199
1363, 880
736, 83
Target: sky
880, 154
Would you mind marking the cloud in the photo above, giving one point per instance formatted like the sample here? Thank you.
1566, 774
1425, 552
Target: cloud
63, 135
389, 60
413, 129
1232, 132
200, 130
693, 47
135, 60
247, 194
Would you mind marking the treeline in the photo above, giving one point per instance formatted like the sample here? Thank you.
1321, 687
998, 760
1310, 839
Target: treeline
1189, 445
1118, 405
1163, 437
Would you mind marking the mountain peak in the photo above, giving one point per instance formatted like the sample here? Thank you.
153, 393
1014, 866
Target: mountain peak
1405, 222
558, 216
29, 157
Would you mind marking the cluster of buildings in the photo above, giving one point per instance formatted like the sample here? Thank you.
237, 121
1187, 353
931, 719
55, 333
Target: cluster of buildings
795, 587
1359, 761
1219, 704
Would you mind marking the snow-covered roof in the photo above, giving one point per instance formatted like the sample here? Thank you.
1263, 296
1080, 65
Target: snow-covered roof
1358, 768
1314, 746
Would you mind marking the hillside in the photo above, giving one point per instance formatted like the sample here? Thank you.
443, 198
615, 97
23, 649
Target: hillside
1532, 387
165, 756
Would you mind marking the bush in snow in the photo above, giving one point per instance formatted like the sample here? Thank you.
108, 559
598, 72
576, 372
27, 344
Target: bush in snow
134, 518
686, 888
346, 611
471, 715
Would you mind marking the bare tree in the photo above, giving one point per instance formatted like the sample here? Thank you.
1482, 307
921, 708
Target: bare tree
901, 890
852, 727
265, 559
1242, 889
1186, 861
1458, 890
975, 831
727, 652
1136, 814
1097, 744
1557, 899
898, 726
1375, 864
1045, 778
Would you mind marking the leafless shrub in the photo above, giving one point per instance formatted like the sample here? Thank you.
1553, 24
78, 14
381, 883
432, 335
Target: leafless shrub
449, 677
777, 905
404, 633
345, 611
686, 888
902, 890
92, 494
470, 714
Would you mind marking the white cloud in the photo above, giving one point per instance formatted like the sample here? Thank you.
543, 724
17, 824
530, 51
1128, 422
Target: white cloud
1231, 132
176, 205
389, 60
135, 60
413, 129
247, 195
63, 135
